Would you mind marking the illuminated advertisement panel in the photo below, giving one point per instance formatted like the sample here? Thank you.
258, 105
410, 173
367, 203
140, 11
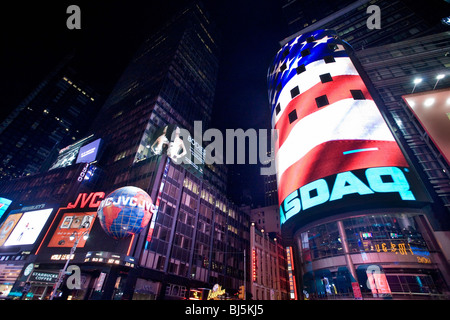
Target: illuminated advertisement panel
4, 204
69, 154
291, 276
28, 228
88, 153
72, 223
432, 109
332, 143
8, 226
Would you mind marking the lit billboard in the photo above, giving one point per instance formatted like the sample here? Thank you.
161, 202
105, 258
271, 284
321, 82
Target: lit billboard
72, 223
8, 225
88, 153
26, 229
4, 204
332, 144
78, 220
432, 110
182, 149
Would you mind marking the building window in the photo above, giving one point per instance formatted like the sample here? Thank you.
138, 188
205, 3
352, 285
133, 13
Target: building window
285, 53
310, 39
305, 52
295, 92
325, 77
292, 116
283, 67
357, 95
322, 101
120, 156
277, 109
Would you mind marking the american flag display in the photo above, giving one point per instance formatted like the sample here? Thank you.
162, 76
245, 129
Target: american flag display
326, 119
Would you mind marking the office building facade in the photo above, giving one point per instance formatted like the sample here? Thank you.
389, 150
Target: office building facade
268, 218
196, 237
268, 265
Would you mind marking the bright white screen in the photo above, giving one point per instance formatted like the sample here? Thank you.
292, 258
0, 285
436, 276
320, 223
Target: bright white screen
28, 228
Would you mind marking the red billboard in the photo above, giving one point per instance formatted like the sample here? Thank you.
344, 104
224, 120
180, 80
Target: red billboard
72, 224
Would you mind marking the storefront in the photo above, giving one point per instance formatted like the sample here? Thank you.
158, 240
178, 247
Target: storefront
369, 257
9, 272
92, 276
40, 284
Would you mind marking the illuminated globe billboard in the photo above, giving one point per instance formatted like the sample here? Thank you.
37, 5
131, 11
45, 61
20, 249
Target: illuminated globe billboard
333, 148
125, 211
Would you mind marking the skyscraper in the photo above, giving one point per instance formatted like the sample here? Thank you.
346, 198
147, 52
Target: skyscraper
170, 80
54, 115
197, 237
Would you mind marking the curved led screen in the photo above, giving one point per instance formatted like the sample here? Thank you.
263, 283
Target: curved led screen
332, 142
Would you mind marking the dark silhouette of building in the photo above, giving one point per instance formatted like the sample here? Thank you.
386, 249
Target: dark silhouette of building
57, 113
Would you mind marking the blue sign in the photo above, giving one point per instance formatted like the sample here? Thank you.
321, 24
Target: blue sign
88, 153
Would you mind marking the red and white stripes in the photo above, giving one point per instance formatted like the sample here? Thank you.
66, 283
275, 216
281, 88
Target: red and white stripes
319, 139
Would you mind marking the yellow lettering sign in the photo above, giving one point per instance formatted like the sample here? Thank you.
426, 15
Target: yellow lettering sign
216, 292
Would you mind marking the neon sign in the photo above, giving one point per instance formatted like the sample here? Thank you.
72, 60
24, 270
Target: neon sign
379, 180
216, 292
93, 200
254, 265
290, 265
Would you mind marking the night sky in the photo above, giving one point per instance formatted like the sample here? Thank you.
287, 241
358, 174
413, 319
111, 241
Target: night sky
35, 39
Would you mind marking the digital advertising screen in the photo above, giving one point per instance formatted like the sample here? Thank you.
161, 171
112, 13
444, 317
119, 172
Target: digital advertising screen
332, 144
432, 110
4, 204
182, 150
27, 230
70, 224
7, 226
68, 155
88, 153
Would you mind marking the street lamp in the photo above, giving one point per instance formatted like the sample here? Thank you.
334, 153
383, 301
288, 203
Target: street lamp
72, 237
416, 82
438, 77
